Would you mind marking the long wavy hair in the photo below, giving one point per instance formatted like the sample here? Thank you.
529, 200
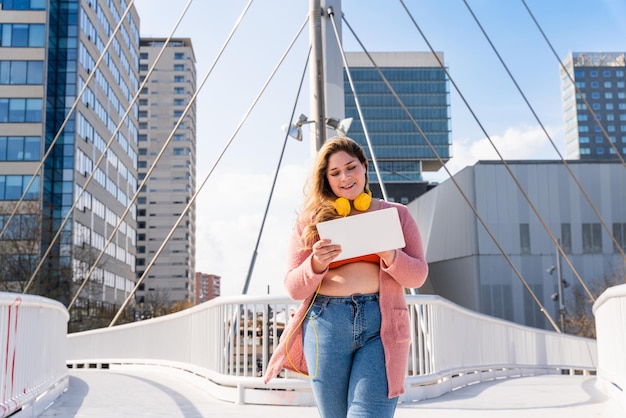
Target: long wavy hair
319, 197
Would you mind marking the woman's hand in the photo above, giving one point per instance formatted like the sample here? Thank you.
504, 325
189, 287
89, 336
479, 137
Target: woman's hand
324, 252
387, 256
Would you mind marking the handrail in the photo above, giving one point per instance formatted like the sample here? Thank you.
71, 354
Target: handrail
228, 341
610, 310
33, 346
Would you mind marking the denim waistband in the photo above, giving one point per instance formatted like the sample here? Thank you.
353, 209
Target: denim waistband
357, 297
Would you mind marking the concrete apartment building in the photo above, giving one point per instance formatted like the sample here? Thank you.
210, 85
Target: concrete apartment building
401, 151
48, 52
593, 86
208, 286
173, 182
466, 265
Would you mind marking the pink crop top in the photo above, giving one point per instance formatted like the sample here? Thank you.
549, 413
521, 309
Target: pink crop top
370, 258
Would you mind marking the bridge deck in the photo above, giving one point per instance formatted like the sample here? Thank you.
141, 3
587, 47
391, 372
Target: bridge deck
159, 392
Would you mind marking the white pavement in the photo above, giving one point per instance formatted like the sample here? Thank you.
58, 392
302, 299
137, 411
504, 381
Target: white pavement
162, 392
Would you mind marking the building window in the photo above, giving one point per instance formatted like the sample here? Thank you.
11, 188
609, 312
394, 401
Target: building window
566, 238
21, 72
22, 35
179, 90
179, 67
179, 79
16, 110
179, 56
23, 5
524, 238
619, 233
20, 148
13, 187
20, 227
592, 238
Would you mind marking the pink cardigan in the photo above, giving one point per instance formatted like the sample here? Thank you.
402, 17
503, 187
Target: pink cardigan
409, 269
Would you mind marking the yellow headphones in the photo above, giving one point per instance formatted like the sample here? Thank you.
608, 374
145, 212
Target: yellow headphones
361, 203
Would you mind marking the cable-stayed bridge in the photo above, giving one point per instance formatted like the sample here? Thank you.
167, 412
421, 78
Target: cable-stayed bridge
223, 347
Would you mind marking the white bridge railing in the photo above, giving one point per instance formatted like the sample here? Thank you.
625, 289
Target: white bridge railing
33, 341
610, 312
228, 342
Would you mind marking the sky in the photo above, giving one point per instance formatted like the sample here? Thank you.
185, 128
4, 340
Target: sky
241, 109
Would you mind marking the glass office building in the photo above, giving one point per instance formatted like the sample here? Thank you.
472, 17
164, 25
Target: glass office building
593, 87
401, 152
48, 55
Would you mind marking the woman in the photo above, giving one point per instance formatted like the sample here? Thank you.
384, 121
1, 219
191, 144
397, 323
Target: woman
351, 335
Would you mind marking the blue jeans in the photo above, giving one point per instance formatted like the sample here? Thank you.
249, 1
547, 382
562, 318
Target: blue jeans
345, 358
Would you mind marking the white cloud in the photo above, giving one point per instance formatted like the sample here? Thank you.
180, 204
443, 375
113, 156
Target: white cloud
526, 143
228, 220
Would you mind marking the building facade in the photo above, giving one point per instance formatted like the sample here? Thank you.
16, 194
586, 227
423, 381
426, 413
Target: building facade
593, 86
468, 268
167, 116
48, 56
208, 286
401, 152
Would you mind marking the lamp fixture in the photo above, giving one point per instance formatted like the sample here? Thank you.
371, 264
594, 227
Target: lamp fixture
340, 126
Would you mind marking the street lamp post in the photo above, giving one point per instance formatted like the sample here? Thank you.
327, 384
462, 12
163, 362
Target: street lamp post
558, 297
559, 278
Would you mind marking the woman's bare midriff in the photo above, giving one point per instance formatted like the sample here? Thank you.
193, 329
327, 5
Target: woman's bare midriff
360, 277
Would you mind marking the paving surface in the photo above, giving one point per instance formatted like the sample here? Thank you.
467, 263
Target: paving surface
159, 392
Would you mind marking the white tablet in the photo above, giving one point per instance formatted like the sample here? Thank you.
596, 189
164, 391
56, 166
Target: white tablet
363, 234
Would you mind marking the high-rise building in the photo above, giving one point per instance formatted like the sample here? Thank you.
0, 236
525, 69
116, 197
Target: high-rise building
207, 287
48, 53
402, 154
171, 185
599, 132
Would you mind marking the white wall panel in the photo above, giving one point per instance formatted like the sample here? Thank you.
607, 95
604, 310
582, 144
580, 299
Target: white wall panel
466, 264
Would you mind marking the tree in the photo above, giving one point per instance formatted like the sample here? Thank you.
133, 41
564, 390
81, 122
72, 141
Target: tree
580, 319
19, 245
62, 273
